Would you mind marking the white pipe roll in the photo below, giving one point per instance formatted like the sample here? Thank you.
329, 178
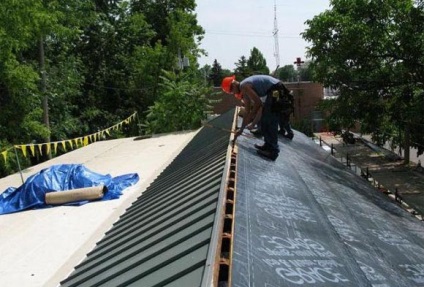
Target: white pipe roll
87, 193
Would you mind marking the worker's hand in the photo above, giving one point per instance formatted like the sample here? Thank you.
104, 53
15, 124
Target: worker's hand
237, 133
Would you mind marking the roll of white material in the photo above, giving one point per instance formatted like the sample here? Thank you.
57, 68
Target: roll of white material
87, 193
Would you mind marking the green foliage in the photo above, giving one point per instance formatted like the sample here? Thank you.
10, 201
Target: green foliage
11, 165
182, 105
304, 72
242, 69
254, 65
216, 74
304, 126
287, 73
373, 53
32, 126
102, 61
159, 13
257, 62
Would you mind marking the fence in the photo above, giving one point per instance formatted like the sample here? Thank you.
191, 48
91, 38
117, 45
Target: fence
364, 173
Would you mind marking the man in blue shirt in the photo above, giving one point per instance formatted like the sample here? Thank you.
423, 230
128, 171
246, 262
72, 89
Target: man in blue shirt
259, 94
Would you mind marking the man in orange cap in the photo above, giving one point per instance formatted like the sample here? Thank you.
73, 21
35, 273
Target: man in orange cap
227, 85
259, 97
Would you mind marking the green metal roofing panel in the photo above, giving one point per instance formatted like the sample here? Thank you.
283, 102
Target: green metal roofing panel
164, 238
303, 219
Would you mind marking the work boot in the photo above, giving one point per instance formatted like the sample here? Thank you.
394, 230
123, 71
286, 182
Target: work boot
272, 155
256, 132
289, 136
260, 147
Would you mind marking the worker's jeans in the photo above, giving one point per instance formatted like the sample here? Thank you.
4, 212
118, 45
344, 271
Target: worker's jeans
269, 126
284, 123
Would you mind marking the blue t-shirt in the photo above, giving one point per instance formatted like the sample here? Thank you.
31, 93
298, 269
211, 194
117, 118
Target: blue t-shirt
260, 83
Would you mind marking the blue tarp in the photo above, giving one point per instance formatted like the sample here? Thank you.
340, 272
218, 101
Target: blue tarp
60, 178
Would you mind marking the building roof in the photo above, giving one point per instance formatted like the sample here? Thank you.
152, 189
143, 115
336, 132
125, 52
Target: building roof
165, 237
42, 247
304, 219
307, 219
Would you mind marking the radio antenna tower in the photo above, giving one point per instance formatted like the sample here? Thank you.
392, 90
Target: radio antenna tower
275, 33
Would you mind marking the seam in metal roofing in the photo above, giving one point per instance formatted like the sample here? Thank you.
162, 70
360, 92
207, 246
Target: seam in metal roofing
303, 219
164, 238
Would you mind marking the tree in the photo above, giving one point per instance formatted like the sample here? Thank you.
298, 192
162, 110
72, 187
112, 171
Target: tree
182, 105
102, 61
287, 73
158, 14
216, 75
125, 50
29, 35
373, 53
304, 73
257, 62
242, 69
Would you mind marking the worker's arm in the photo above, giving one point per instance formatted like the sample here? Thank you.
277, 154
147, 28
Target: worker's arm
256, 119
255, 105
247, 112
253, 109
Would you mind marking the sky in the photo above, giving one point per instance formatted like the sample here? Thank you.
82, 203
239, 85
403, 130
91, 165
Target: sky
234, 27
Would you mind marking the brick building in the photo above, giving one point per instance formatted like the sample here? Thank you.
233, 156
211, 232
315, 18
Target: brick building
307, 96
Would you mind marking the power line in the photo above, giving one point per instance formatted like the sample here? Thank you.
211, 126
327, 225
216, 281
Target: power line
249, 34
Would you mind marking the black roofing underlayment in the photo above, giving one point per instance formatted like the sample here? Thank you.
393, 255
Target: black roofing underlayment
303, 220
164, 237
308, 220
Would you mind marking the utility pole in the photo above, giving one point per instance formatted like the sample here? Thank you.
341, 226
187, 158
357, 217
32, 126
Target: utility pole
298, 63
275, 33
182, 61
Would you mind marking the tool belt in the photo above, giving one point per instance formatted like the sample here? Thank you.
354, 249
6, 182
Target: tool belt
281, 99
